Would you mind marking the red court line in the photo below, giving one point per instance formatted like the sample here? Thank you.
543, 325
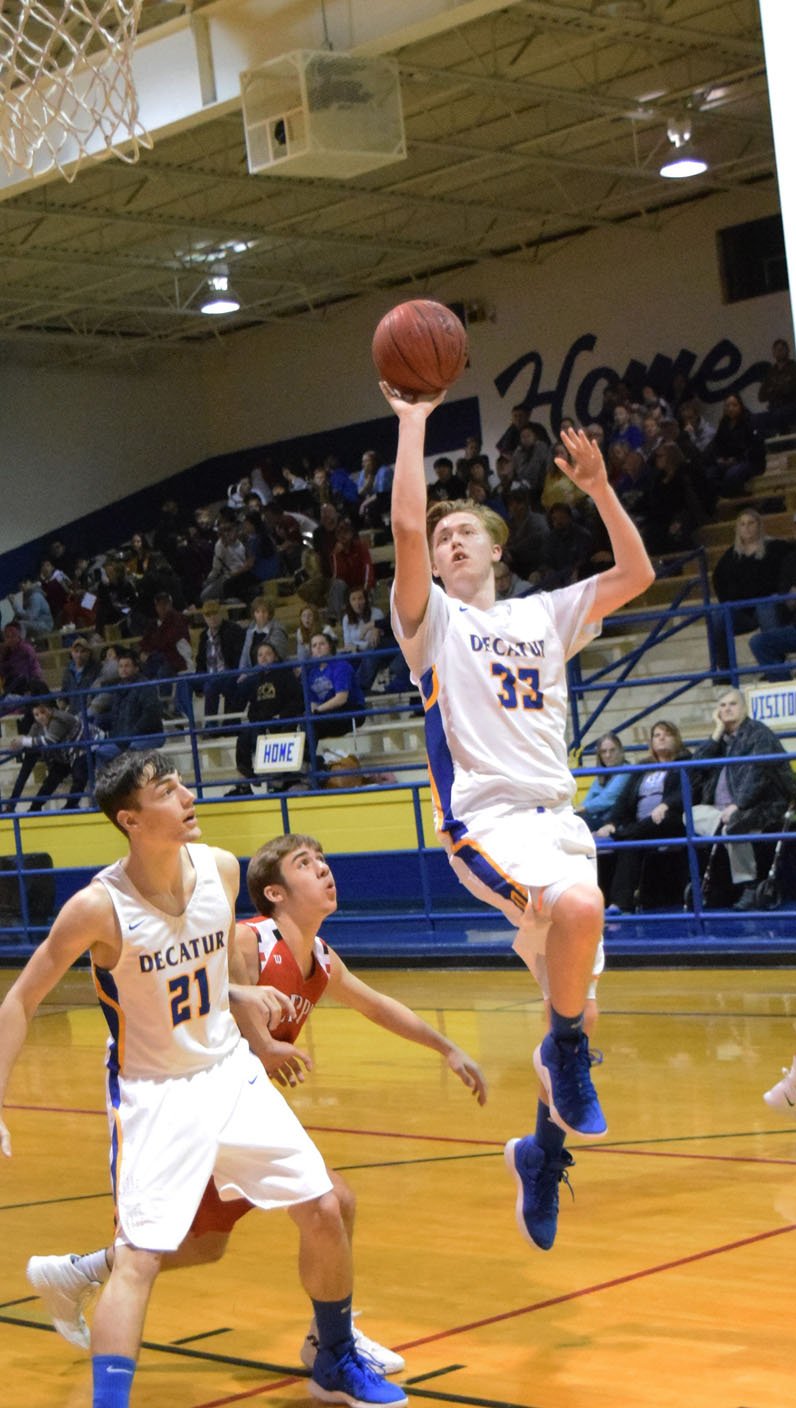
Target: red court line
599, 1286
250, 1393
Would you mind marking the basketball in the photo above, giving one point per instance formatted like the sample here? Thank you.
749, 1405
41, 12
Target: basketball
420, 347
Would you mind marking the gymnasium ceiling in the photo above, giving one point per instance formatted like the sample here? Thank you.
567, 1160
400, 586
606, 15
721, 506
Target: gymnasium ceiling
526, 123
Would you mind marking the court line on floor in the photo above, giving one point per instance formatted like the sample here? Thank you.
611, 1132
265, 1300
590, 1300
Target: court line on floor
598, 1286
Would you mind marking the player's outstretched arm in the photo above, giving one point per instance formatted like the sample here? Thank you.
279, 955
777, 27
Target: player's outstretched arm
395, 1017
85, 921
408, 511
632, 572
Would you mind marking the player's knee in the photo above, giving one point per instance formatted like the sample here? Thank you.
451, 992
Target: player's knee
322, 1215
346, 1199
581, 910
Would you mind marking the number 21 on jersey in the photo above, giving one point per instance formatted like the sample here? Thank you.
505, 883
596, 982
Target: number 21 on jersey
531, 695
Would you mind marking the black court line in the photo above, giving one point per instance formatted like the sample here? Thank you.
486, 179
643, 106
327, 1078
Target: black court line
465, 1398
430, 1159
48, 1202
205, 1335
23, 1300
434, 1374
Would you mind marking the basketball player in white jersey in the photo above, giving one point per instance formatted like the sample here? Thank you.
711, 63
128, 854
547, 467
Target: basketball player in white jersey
292, 888
493, 679
186, 1097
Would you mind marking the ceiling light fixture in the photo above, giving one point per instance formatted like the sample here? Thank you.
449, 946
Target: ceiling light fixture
684, 161
220, 298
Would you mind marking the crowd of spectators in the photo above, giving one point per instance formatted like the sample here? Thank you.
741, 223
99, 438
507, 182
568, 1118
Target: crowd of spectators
190, 608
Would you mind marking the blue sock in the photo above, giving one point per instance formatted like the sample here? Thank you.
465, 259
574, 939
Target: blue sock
113, 1380
565, 1028
548, 1136
333, 1318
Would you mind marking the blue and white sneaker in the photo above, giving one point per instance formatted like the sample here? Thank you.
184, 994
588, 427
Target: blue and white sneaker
564, 1068
538, 1175
349, 1378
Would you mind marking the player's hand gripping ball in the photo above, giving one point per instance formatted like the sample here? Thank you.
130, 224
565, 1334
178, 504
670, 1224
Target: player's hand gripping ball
420, 348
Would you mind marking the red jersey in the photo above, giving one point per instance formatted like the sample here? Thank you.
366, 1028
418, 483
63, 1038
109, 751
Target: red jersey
279, 969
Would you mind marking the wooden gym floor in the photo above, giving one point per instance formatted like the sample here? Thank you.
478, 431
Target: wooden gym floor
671, 1283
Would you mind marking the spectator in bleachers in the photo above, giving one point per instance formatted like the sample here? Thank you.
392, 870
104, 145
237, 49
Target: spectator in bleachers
671, 509
528, 534
695, 426
134, 719
166, 650
649, 808
749, 569
478, 493
34, 614
778, 392
117, 597
772, 646
62, 557
599, 804
219, 650
263, 629
332, 687
446, 485
168, 530
567, 550
228, 565
325, 537
56, 587
507, 583
309, 625
737, 451
80, 673
19, 663
342, 486
558, 488
159, 579
285, 530
747, 797
652, 403
510, 438
100, 705
473, 455
624, 430
137, 555
374, 484
364, 629
352, 566
194, 559
651, 436
269, 693
530, 462
50, 727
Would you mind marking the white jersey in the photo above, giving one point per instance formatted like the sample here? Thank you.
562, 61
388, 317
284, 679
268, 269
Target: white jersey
495, 693
166, 1001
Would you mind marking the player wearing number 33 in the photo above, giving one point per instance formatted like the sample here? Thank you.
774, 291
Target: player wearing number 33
493, 679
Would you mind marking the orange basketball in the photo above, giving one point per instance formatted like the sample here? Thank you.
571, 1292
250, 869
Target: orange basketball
420, 347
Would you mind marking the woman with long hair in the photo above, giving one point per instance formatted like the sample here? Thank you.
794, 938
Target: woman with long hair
649, 808
747, 570
737, 451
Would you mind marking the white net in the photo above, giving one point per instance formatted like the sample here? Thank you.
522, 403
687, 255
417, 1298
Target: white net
66, 83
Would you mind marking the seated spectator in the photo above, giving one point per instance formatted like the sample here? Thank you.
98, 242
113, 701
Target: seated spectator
624, 429
310, 583
528, 535
559, 488
695, 426
473, 456
772, 646
285, 530
510, 438
100, 706
309, 625
228, 566
19, 663
737, 451
137, 556
34, 614
507, 583
166, 651
567, 551
747, 570
263, 629
219, 651
50, 728
778, 392
600, 802
364, 629
652, 437
352, 566
325, 537
342, 487
134, 718
56, 587
745, 797
530, 463
374, 484
117, 597
159, 579
79, 674
194, 558
670, 508
269, 693
237, 494
650, 807
446, 485
333, 688
652, 403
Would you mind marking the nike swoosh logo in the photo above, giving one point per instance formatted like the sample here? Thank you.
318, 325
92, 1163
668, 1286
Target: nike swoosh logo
464, 608
131, 926
252, 1081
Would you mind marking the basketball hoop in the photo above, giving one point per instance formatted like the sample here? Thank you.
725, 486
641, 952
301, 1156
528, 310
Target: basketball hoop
66, 83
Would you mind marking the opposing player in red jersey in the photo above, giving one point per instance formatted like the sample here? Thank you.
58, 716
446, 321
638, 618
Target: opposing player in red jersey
292, 888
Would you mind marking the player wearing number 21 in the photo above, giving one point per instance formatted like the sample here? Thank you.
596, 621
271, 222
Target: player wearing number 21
493, 679
186, 1097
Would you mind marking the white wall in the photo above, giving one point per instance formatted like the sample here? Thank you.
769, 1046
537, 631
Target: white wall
74, 440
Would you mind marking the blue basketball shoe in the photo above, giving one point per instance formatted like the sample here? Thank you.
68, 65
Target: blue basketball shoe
351, 1378
564, 1068
538, 1175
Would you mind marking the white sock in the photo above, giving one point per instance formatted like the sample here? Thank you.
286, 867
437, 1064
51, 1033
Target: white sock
94, 1266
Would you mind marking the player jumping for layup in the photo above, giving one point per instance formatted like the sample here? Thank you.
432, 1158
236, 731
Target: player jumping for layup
493, 679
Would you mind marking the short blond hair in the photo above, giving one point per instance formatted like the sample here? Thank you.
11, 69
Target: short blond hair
496, 527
